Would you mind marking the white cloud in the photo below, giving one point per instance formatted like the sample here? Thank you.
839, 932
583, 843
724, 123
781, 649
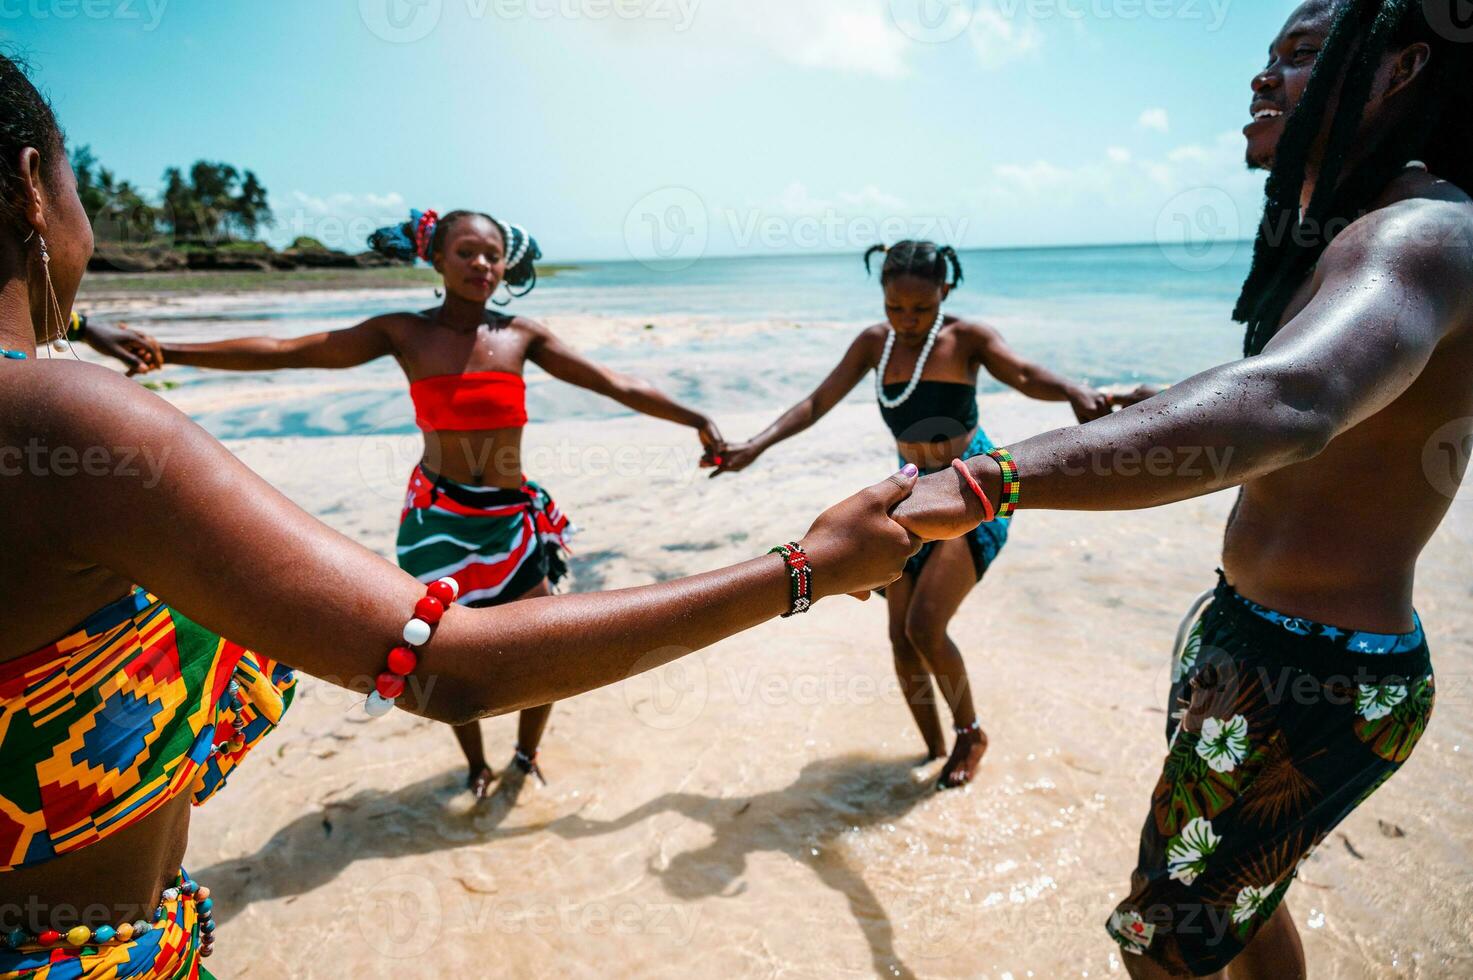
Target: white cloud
1156, 119
1119, 189
839, 35
341, 220
998, 39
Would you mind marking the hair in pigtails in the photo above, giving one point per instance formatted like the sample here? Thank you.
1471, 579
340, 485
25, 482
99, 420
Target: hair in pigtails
924, 260
874, 250
949, 256
522, 254
424, 235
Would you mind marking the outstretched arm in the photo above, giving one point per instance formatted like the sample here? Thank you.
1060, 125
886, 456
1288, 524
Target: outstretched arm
329, 349
566, 364
232, 553
1389, 290
857, 360
138, 351
1036, 381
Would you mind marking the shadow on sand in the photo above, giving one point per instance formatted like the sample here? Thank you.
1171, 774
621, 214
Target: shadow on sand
803, 820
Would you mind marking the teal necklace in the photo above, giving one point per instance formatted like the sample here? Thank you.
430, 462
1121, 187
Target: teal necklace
13, 355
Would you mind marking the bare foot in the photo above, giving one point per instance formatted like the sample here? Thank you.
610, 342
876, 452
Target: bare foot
966, 757
933, 752
479, 782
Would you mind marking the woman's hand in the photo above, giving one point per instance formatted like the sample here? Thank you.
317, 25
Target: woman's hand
943, 507
1140, 394
1088, 404
856, 546
138, 350
711, 442
738, 457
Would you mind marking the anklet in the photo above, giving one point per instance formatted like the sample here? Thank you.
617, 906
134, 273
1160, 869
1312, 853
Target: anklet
988, 514
975, 726
800, 577
528, 764
1012, 488
389, 685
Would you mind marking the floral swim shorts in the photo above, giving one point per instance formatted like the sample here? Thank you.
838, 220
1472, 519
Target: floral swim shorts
1279, 728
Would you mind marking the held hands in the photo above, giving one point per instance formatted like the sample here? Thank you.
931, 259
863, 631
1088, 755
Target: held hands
737, 457
713, 446
942, 507
856, 546
136, 349
1089, 404
1140, 394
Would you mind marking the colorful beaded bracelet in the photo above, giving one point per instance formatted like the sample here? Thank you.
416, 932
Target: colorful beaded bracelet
1012, 489
800, 577
126, 932
389, 685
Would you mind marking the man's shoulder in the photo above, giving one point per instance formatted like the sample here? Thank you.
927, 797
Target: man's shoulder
1425, 235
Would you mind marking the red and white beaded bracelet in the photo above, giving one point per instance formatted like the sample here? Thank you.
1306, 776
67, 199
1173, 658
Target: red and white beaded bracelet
417, 632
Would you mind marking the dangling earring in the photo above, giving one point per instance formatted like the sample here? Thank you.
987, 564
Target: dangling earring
52, 304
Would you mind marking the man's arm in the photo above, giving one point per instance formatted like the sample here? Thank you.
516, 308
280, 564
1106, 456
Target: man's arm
1389, 291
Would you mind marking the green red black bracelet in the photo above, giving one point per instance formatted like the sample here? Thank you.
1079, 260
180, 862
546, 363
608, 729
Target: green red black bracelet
1012, 489
800, 577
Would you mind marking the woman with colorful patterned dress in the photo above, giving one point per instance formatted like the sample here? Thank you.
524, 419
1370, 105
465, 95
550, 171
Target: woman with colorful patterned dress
470, 514
135, 543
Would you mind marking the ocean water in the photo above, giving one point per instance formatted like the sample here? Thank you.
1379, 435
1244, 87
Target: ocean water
741, 334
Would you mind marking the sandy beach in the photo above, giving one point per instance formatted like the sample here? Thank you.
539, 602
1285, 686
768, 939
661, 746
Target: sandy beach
756, 810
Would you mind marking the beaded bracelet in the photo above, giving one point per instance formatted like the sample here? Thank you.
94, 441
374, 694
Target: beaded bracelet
988, 514
389, 685
800, 577
1012, 489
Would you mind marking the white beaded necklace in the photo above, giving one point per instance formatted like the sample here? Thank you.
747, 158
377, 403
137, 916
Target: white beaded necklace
915, 378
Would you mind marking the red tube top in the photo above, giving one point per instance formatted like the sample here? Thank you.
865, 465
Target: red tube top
470, 402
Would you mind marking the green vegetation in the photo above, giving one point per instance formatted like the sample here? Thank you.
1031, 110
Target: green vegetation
215, 203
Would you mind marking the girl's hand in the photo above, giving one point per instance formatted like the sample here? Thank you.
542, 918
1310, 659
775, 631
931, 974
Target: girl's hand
1089, 404
1136, 397
942, 507
138, 350
711, 442
856, 546
736, 458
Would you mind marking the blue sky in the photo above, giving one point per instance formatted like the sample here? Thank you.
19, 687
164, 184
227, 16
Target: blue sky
619, 128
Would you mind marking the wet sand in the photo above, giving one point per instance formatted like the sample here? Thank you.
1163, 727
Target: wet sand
756, 810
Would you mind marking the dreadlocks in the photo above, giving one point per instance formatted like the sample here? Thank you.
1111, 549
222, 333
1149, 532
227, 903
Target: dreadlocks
1435, 129
927, 260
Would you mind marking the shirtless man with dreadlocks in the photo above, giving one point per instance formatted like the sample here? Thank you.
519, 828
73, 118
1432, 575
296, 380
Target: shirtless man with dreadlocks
1307, 682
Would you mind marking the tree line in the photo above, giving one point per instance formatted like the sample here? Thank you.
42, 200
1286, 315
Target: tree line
214, 202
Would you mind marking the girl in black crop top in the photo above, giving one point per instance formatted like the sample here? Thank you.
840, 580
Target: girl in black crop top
926, 368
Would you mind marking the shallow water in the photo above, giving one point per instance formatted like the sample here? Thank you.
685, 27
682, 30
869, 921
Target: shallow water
756, 810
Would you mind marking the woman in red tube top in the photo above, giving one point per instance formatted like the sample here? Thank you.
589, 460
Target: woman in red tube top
470, 514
